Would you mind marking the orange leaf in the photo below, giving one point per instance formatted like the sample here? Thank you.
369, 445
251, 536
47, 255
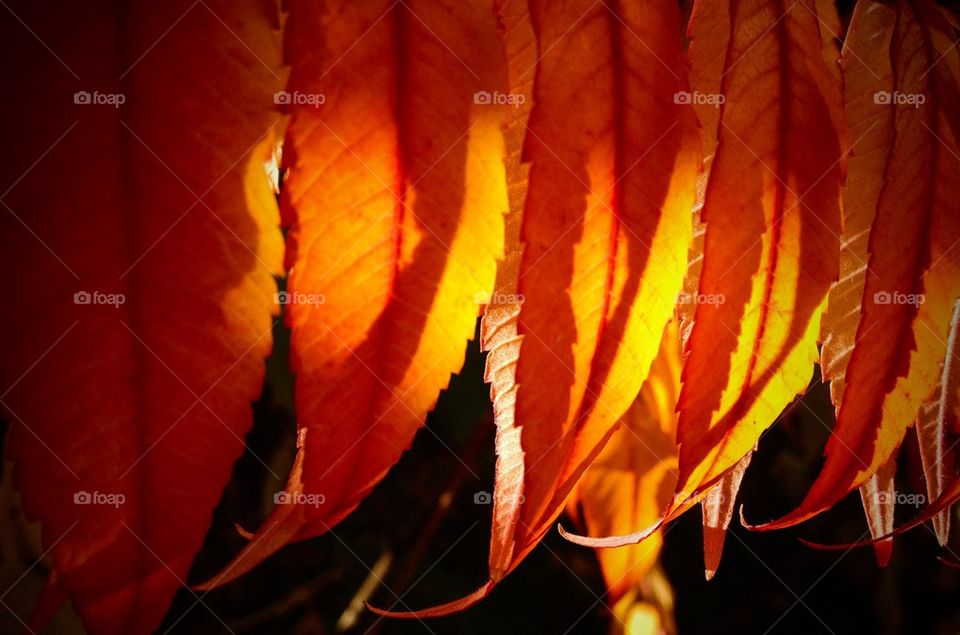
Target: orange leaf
395, 196
867, 70
913, 276
949, 496
936, 459
879, 498
705, 78
717, 507
772, 216
498, 327
631, 482
936, 443
943, 487
605, 232
137, 199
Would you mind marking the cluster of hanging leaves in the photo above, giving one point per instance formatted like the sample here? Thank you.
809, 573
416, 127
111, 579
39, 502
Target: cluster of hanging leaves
661, 240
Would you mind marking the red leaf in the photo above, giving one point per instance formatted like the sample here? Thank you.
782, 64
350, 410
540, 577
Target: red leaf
936, 429
718, 507
607, 215
771, 210
140, 214
866, 67
879, 499
395, 197
950, 495
913, 274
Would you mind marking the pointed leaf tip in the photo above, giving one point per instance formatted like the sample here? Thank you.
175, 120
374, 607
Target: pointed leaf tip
944, 502
883, 550
717, 510
793, 518
280, 529
53, 596
437, 611
883, 547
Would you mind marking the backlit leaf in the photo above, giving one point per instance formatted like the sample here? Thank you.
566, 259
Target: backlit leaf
717, 507
395, 196
867, 71
140, 239
772, 217
631, 482
605, 234
913, 274
879, 498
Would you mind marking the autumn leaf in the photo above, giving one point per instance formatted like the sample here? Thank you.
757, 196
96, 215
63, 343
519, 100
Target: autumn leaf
936, 438
717, 508
652, 293
705, 78
937, 458
879, 498
395, 196
771, 210
498, 327
912, 276
631, 482
139, 215
867, 71
605, 232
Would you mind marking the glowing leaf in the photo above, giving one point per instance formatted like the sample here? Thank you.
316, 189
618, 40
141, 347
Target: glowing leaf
605, 233
136, 197
879, 499
867, 69
498, 327
935, 441
772, 216
913, 273
705, 78
718, 507
395, 197
631, 482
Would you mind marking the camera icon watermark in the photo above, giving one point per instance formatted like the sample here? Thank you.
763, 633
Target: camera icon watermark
96, 98
298, 297
496, 98
710, 299
484, 497
99, 298
696, 98
296, 98
896, 98
84, 497
899, 299
298, 498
